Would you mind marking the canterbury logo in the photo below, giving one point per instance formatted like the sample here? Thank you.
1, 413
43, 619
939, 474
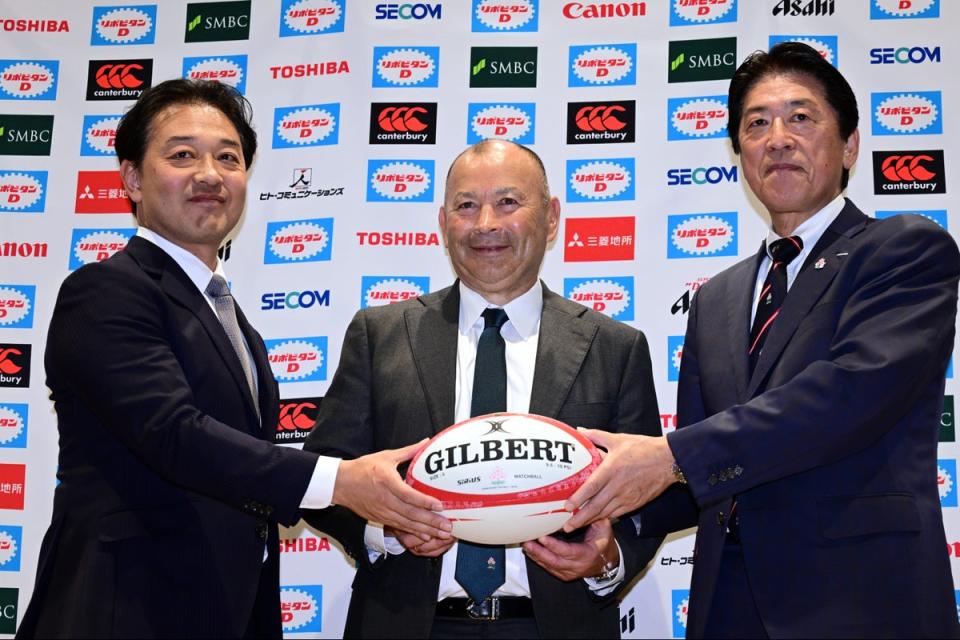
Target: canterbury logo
294, 416
600, 118
8, 366
401, 119
118, 76
897, 168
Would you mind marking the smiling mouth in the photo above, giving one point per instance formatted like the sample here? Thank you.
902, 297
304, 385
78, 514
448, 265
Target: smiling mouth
207, 199
782, 167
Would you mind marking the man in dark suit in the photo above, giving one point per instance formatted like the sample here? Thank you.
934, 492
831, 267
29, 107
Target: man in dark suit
164, 521
407, 371
810, 387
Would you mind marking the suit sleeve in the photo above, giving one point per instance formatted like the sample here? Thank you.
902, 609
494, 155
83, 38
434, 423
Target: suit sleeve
892, 338
109, 350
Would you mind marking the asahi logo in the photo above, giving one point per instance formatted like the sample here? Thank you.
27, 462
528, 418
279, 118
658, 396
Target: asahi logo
406, 66
298, 241
514, 121
503, 66
25, 135
701, 12
804, 8
130, 24
601, 122
118, 79
505, 15
29, 79
697, 60
311, 17
298, 359
902, 113
904, 9
210, 21
908, 171
231, 70
403, 123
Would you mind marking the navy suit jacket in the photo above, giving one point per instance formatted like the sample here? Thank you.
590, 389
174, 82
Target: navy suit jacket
167, 481
830, 447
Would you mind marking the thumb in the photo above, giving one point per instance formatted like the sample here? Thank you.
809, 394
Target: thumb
408, 452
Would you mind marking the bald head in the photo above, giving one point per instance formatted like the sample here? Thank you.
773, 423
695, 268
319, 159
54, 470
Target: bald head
500, 147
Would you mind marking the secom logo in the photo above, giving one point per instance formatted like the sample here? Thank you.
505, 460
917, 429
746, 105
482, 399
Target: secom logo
16, 305
700, 12
900, 9
612, 296
94, 245
606, 65
306, 126
506, 121
23, 191
913, 113
702, 235
400, 180
29, 79
505, 15
298, 241
601, 179
826, 45
298, 359
131, 24
231, 70
378, 291
13, 425
311, 17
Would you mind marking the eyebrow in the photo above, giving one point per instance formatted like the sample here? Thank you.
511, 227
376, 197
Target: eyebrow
497, 192
223, 141
800, 102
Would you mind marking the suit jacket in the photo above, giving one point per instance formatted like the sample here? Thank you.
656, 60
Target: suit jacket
167, 481
395, 386
830, 447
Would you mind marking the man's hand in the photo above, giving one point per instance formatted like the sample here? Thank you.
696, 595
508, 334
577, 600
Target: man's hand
371, 487
572, 560
415, 544
635, 470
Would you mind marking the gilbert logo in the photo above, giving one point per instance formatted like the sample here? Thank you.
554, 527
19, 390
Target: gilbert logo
13, 425
901, 9
601, 122
118, 79
16, 305
697, 118
231, 70
101, 192
301, 608
913, 113
699, 235
826, 46
406, 66
299, 241
23, 191
403, 123
611, 296
306, 126
503, 66
12, 485
601, 179
514, 121
15, 365
599, 239
311, 17
95, 245
505, 15
99, 135
697, 60
25, 135
605, 65
130, 24
908, 171
297, 417
11, 542
947, 482
939, 216
400, 180
674, 356
210, 21
298, 359
680, 599
700, 12
595, 10
804, 8
29, 79
378, 291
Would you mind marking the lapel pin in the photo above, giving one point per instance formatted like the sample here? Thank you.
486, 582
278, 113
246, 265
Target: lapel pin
845, 253
820, 264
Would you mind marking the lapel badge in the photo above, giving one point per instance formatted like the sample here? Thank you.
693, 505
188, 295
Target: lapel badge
820, 264
491, 563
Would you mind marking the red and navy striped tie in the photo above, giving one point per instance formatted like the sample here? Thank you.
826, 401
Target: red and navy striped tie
782, 252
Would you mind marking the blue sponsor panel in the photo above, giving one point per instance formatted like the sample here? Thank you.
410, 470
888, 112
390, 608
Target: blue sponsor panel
298, 359
377, 291
294, 241
311, 17
904, 9
11, 546
956, 595
609, 295
947, 482
29, 79
697, 118
94, 245
124, 24
13, 425
674, 355
702, 235
406, 67
99, 135
306, 126
16, 305
513, 121
500, 17
301, 608
601, 179
906, 113
400, 180
934, 215
23, 191
231, 70
604, 65
680, 602
697, 13
827, 46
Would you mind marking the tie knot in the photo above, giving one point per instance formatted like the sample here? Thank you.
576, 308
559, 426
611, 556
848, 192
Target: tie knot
786, 249
494, 318
218, 287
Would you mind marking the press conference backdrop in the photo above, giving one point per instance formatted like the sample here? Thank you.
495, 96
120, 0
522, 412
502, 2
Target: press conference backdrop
360, 106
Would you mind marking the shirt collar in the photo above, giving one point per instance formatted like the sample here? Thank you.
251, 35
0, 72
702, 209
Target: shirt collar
523, 311
196, 270
812, 228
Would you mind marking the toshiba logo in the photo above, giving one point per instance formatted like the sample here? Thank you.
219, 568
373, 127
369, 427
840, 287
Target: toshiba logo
403, 123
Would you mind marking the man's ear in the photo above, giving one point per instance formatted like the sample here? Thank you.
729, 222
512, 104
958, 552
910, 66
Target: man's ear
131, 180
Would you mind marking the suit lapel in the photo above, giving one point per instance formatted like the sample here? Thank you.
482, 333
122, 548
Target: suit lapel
739, 307
432, 331
565, 339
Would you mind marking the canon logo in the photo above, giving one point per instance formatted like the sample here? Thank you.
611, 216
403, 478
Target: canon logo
897, 168
402, 119
600, 118
23, 249
591, 10
118, 76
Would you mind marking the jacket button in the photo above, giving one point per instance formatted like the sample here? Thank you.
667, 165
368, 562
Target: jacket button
262, 530
737, 470
720, 518
712, 480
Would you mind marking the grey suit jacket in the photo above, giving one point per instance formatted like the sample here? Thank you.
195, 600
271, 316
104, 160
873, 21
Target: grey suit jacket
396, 384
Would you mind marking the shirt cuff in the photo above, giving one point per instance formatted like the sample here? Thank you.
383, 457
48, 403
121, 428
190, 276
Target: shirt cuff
379, 544
605, 587
319, 493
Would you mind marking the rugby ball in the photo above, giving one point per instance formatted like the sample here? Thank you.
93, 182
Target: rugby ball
503, 477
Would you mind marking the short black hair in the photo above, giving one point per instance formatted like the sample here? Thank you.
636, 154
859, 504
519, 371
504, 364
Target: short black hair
800, 58
133, 132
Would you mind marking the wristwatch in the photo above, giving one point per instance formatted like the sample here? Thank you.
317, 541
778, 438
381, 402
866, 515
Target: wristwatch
678, 473
609, 570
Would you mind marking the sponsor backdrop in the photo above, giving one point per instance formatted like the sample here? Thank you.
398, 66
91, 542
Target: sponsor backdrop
360, 107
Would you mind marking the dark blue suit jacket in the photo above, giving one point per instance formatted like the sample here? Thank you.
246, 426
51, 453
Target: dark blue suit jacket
831, 446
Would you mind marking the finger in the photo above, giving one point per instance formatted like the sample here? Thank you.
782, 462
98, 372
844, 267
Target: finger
407, 494
542, 556
584, 516
557, 546
587, 490
598, 437
417, 520
406, 453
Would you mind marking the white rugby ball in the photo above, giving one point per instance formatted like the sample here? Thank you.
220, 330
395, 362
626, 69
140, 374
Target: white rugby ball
503, 477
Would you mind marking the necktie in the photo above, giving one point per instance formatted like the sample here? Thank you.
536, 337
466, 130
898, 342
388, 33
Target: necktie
782, 252
227, 312
480, 568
